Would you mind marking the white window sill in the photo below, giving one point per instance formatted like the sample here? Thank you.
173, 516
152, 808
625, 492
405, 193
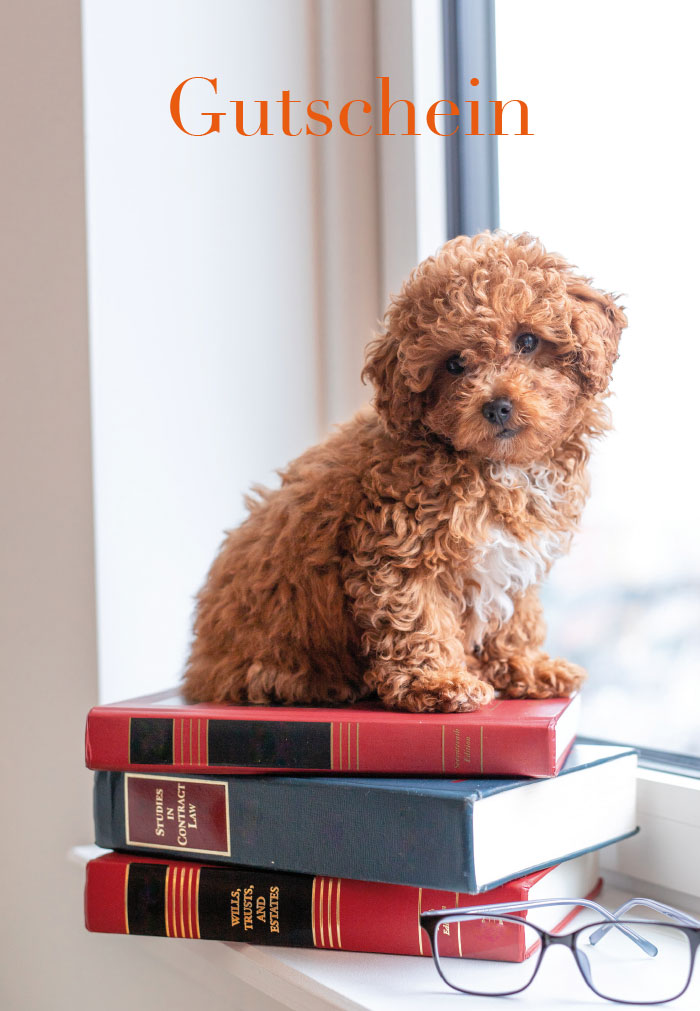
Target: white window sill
663, 854
311, 980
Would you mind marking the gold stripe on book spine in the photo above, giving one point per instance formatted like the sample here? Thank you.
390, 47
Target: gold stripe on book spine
420, 929
173, 899
182, 742
182, 902
357, 752
340, 746
126, 897
190, 873
167, 902
332, 762
330, 905
320, 912
337, 914
173, 896
196, 902
191, 751
349, 740
313, 908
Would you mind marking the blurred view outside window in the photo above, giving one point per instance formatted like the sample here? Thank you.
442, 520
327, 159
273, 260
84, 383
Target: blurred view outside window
610, 180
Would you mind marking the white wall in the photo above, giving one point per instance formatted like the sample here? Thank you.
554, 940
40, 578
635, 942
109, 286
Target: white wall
202, 308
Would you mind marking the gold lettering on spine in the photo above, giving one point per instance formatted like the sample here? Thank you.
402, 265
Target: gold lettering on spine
313, 906
420, 929
196, 901
321, 912
167, 902
337, 913
126, 893
332, 762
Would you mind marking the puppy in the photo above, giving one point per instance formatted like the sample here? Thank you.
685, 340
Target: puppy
402, 556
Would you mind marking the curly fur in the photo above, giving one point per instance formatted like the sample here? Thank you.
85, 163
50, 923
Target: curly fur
402, 555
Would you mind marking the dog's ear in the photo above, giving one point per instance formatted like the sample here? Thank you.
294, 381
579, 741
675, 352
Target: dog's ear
597, 322
398, 405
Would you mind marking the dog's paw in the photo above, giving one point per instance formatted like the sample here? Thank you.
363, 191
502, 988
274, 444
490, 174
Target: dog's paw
449, 691
547, 678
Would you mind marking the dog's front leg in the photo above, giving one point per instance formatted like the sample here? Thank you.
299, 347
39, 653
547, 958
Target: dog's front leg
514, 662
413, 641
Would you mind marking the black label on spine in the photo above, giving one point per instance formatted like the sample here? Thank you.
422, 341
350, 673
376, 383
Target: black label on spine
151, 741
270, 744
146, 899
243, 905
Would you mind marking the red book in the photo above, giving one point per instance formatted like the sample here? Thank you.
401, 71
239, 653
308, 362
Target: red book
161, 733
171, 898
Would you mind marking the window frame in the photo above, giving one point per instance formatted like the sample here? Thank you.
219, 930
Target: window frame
469, 41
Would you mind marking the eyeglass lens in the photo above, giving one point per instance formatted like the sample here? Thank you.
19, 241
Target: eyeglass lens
488, 955
618, 968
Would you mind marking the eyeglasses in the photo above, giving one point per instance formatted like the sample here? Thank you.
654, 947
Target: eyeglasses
629, 961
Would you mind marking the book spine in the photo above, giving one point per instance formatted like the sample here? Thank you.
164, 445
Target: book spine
117, 740
183, 899
300, 825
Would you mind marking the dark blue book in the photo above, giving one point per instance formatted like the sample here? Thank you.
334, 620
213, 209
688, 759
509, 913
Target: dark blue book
463, 835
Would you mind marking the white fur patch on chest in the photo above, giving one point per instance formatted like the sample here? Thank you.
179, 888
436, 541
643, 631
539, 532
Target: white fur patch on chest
504, 566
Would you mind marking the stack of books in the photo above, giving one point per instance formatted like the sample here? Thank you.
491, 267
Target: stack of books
335, 828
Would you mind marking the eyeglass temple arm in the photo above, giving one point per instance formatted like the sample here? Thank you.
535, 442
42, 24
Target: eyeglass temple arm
658, 907
511, 907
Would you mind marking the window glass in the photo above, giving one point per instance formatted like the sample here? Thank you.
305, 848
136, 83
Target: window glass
610, 180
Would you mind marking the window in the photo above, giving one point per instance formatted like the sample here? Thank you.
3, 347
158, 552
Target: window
609, 180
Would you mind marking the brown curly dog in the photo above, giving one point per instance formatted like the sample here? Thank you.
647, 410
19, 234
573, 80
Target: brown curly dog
402, 555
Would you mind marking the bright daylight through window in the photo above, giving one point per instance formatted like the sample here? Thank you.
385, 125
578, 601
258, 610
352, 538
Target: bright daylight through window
625, 603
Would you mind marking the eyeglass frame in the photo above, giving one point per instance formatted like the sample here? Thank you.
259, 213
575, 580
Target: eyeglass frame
431, 921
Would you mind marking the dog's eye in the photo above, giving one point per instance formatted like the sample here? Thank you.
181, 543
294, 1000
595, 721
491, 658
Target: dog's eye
526, 343
455, 366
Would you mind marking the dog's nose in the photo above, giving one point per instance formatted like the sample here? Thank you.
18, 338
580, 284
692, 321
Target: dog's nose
497, 411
